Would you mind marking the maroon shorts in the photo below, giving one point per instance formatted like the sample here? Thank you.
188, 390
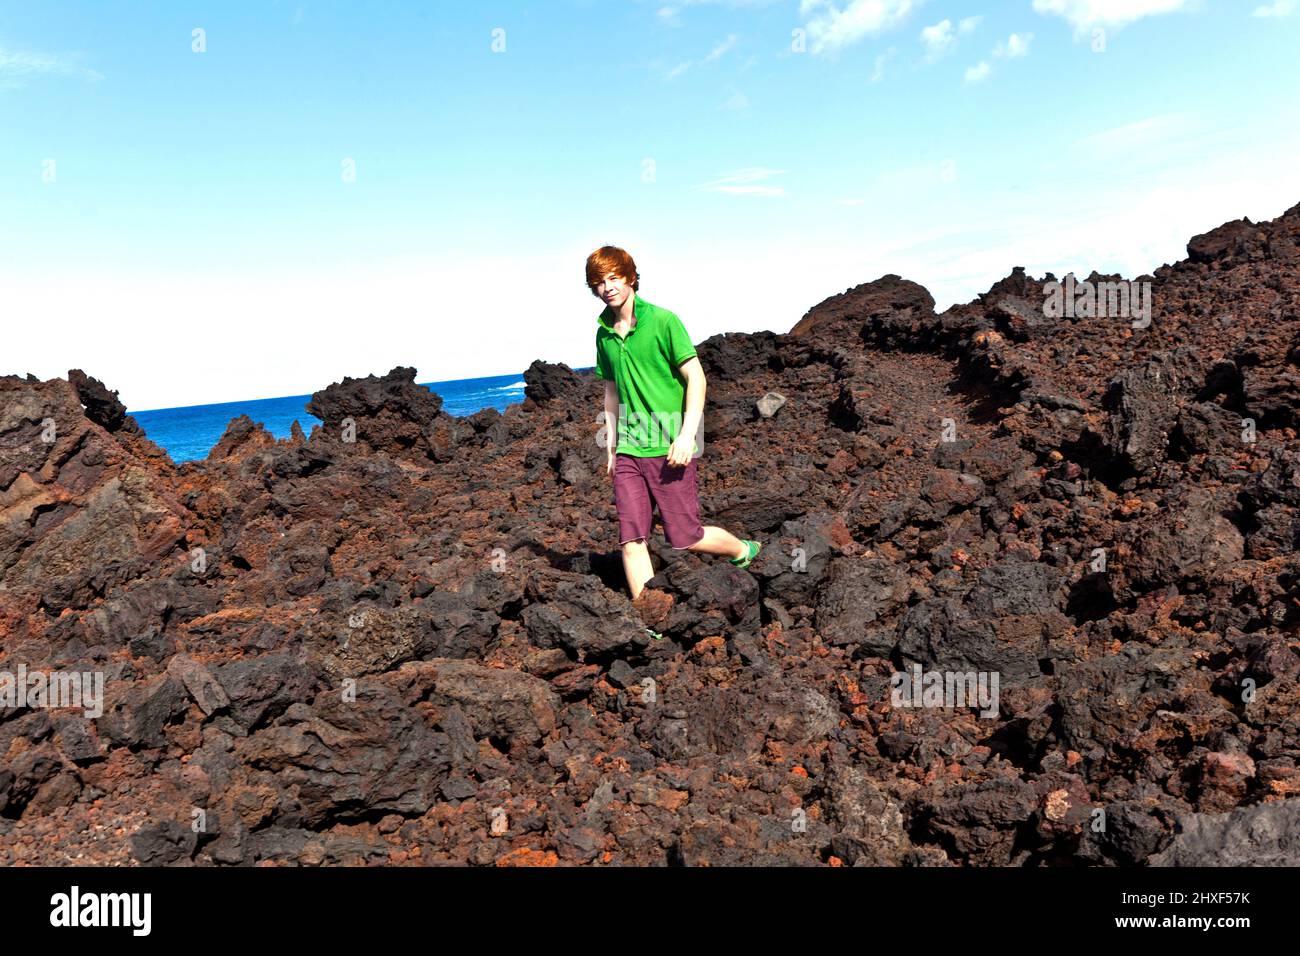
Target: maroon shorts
640, 483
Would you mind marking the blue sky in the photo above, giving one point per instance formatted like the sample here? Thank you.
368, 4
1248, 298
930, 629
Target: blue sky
182, 224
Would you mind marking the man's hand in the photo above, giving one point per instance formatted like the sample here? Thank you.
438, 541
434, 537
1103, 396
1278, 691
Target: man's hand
609, 461
679, 452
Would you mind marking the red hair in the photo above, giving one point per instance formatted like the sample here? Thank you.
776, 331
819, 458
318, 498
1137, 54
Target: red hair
609, 259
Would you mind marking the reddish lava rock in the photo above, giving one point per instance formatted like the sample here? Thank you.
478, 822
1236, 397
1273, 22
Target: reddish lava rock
421, 620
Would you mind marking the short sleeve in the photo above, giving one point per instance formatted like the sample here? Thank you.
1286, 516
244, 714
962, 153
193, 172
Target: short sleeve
602, 367
676, 342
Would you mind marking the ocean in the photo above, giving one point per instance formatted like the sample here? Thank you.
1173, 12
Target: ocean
189, 433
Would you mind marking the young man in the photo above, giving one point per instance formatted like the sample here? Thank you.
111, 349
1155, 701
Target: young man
644, 355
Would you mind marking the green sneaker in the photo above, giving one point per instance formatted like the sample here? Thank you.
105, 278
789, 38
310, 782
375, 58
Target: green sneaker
655, 634
753, 548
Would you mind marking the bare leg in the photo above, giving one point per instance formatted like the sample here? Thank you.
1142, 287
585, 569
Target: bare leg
719, 541
637, 566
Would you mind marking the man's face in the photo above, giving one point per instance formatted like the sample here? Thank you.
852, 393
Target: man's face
613, 289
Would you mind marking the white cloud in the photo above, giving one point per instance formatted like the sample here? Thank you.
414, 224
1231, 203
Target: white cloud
941, 38
721, 49
1141, 133
737, 101
878, 73
831, 28
1282, 8
670, 14
1083, 15
27, 64
746, 182
938, 39
1017, 45
16, 68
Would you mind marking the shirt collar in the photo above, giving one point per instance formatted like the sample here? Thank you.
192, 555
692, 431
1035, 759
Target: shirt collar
639, 311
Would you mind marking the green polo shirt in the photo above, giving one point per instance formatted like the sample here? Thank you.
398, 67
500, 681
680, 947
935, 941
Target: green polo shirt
651, 394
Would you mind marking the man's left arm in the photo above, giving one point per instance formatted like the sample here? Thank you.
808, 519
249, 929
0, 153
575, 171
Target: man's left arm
680, 353
683, 447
